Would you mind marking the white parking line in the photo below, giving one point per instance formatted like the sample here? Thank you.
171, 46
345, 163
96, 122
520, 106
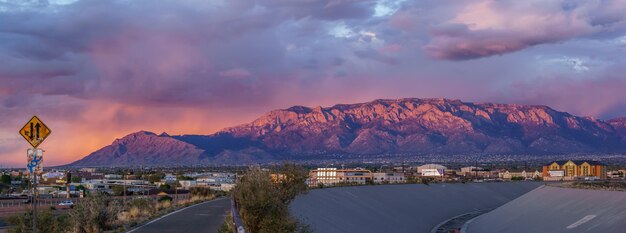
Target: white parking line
581, 221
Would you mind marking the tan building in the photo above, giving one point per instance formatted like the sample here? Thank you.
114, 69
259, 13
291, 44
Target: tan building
470, 169
388, 177
333, 176
507, 175
570, 169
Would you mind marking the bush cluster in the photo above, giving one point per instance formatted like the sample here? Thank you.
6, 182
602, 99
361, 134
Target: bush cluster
46, 222
96, 213
263, 200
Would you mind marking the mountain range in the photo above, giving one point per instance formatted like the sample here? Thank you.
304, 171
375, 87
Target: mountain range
381, 127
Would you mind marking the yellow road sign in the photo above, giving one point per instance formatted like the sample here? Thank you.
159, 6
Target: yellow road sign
35, 131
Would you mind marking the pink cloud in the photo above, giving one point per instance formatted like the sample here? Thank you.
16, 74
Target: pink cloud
488, 28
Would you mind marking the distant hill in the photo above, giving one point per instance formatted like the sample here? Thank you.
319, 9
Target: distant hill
400, 126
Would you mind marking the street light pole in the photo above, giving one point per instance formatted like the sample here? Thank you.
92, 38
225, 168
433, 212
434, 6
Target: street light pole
124, 174
176, 184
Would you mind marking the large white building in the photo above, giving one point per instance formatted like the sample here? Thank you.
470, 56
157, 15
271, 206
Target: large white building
431, 170
431, 166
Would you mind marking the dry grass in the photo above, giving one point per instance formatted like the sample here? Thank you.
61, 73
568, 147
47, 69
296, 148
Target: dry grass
163, 205
595, 185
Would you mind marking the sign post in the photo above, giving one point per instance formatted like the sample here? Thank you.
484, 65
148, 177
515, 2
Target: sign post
35, 132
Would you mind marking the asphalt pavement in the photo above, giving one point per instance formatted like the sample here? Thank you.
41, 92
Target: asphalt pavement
556, 210
204, 217
407, 208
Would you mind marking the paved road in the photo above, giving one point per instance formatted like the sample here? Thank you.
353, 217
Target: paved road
556, 210
205, 217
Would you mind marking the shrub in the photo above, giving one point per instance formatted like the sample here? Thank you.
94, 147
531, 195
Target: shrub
164, 187
165, 198
96, 213
264, 203
46, 222
227, 226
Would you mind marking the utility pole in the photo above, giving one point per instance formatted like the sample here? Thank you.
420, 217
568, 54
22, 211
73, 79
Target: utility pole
176, 183
124, 175
143, 158
35, 132
34, 198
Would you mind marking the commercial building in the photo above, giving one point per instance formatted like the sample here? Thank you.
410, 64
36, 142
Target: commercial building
431, 170
333, 176
431, 166
479, 173
470, 169
508, 175
571, 169
391, 178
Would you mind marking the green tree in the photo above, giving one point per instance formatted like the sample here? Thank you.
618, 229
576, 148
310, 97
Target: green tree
184, 178
164, 187
6, 179
156, 177
118, 190
263, 202
76, 179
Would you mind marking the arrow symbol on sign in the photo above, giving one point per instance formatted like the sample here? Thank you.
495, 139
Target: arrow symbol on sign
30, 135
37, 126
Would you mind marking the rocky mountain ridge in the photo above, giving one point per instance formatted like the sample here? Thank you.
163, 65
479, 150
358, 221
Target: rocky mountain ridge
398, 126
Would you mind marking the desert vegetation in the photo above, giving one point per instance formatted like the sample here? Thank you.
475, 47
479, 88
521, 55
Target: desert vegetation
597, 185
263, 199
101, 213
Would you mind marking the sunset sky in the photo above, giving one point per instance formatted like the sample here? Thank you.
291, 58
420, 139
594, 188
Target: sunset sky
96, 70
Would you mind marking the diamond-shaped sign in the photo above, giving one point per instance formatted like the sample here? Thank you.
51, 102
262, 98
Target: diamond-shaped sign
35, 131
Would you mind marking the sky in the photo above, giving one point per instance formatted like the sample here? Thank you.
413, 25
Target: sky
95, 70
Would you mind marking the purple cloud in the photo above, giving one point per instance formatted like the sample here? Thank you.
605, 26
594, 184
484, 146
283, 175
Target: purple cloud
488, 28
